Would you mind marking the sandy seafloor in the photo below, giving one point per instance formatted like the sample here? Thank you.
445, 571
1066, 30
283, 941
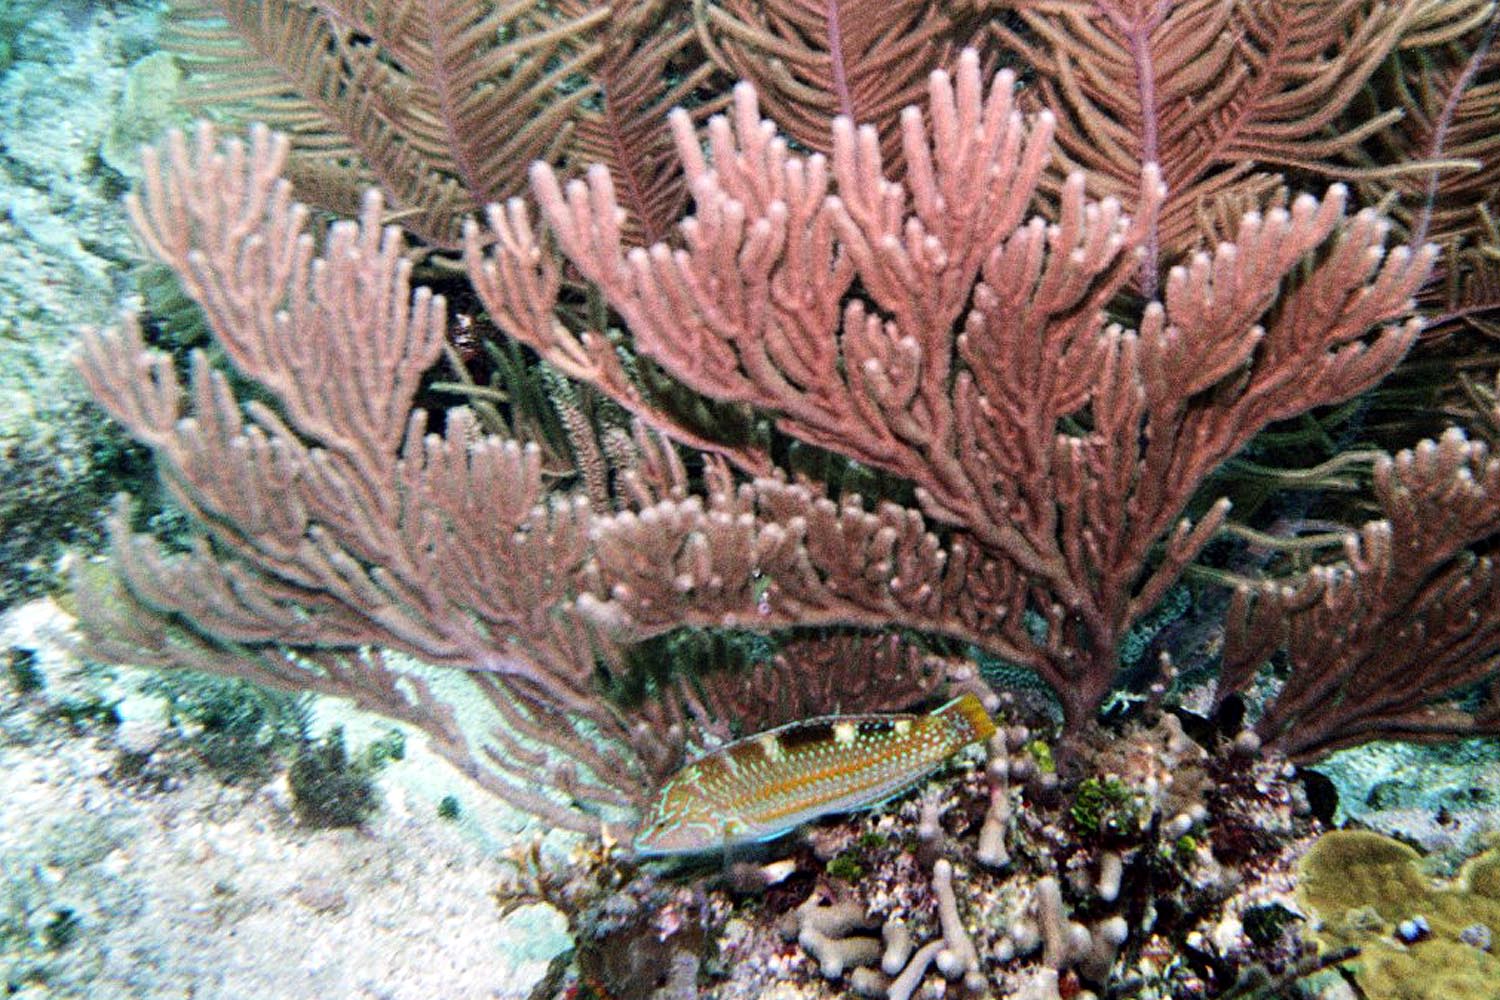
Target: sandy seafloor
211, 891
113, 888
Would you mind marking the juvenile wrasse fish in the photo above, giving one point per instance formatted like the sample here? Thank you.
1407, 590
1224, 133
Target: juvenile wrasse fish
760, 787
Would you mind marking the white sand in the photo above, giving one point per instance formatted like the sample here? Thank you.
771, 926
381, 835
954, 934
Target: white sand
207, 891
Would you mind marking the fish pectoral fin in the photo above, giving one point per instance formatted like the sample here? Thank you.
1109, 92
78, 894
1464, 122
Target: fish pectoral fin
896, 793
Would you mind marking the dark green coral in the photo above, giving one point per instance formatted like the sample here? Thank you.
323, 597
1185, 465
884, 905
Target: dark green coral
331, 788
1105, 807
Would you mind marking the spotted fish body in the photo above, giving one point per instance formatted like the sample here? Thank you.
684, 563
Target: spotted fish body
762, 786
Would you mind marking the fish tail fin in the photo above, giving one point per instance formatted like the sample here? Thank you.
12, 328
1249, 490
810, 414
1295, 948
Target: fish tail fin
968, 718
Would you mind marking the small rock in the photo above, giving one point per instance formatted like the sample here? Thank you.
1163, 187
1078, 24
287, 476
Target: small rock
321, 895
1413, 929
1476, 935
139, 737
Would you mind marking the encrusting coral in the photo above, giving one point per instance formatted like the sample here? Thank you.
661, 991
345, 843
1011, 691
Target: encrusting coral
1417, 940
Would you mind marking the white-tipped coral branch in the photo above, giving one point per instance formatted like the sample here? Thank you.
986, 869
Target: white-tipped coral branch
924, 326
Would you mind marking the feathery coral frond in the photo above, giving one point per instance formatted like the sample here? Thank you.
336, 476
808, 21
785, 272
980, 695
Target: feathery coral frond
1449, 96
1219, 95
651, 65
443, 103
814, 60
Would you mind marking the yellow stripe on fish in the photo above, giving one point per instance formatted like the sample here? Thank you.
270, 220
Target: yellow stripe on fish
762, 786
